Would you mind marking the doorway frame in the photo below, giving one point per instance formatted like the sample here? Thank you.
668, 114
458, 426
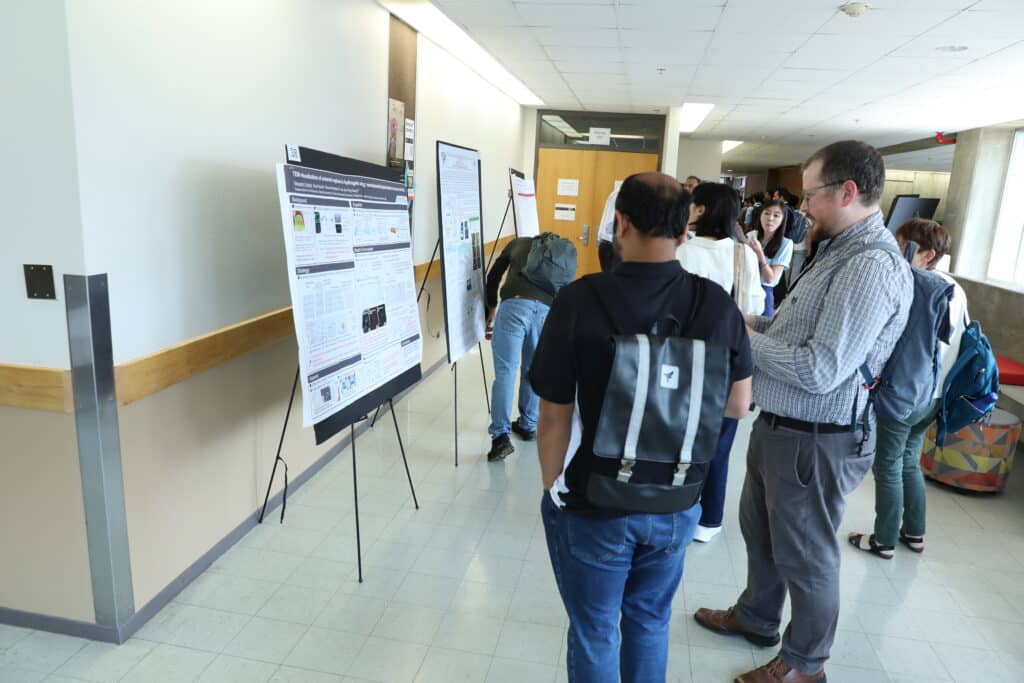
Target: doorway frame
597, 148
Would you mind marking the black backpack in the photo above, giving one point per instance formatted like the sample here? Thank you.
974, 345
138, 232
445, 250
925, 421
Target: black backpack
796, 225
664, 403
551, 263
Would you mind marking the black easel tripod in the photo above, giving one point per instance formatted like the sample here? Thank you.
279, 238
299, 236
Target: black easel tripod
355, 480
479, 345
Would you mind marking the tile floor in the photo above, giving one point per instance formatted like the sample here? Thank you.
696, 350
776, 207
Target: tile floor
461, 590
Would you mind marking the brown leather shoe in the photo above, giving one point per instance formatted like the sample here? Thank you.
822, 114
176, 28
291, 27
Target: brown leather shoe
726, 623
777, 671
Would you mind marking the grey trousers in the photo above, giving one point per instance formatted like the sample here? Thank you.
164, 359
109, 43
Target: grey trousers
793, 500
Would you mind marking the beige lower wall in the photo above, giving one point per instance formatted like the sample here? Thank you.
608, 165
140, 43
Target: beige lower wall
45, 569
924, 183
197, 456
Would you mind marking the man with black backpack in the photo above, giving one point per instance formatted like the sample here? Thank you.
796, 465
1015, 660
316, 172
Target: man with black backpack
537, 268
635, 369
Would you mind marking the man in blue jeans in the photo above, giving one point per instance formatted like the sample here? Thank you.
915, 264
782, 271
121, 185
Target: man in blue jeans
517, 325
617, 572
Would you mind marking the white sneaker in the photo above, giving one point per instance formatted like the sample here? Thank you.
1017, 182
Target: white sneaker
703, 534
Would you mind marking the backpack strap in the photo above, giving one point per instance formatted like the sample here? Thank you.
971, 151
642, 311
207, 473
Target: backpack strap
739, 272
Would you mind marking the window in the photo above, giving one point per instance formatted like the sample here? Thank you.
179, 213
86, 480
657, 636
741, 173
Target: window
623, 132
1007, 264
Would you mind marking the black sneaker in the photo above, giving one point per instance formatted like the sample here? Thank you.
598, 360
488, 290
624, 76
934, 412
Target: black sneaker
501, 448
524, 434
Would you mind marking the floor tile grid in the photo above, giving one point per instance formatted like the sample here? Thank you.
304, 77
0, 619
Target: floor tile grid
968, 582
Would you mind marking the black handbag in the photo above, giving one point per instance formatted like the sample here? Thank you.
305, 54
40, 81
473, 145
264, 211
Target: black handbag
663, 403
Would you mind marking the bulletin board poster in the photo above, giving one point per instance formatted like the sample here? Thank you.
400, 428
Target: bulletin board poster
350, 273
524, 205
460, 219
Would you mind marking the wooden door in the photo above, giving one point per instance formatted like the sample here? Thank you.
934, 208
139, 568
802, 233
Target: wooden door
596, 172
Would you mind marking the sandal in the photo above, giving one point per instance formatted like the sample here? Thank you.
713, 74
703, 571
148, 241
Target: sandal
915, 543
868, 545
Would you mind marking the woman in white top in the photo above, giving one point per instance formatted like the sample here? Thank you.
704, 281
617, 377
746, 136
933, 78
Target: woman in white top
899, 484
773, 249
714, 249
712, 253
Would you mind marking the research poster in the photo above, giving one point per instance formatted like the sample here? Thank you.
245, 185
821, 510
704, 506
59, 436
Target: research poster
350, 270
462, 248
524, 206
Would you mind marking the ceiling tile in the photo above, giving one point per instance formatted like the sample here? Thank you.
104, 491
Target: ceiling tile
684, 53
813, 76
842, 52
541, 70
895, 20
595, 80
483, 13
662, 39
515, 42
590, 67
968, 27
681, 15
567, 15
597, 37
584, 54
977, 47
799, 17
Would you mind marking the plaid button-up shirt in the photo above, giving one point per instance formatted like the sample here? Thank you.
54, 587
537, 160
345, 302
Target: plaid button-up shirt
843, 311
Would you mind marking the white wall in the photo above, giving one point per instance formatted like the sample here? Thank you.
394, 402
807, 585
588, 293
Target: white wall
975, 191
38, 186
669, 147
181, 110
455, 105
702, 158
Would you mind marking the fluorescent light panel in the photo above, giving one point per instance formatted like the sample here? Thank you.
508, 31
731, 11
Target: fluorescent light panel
692, 114
728, 145
432, 23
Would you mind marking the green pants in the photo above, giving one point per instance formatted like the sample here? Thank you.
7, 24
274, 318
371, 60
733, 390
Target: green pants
899, 484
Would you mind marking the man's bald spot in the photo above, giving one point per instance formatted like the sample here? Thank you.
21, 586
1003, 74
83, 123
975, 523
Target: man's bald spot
662, 183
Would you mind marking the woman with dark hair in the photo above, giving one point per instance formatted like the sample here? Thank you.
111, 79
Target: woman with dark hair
773, 249
714, 254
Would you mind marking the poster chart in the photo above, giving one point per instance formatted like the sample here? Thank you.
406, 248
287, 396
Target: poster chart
350, 271
460, 223
524, 205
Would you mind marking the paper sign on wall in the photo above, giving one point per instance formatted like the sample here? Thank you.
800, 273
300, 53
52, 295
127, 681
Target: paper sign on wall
568, 187
410, 139
524, 203
600, 136
565, 212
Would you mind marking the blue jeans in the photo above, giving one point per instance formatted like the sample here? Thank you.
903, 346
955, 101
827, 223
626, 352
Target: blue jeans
613, 574
712, 497
517, 327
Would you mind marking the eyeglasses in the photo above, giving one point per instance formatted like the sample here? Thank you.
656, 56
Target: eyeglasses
808, 196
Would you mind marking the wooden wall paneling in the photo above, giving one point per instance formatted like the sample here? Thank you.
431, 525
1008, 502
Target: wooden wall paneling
141, 377
36, 388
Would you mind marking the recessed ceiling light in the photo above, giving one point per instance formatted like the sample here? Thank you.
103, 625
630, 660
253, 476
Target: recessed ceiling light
952, 48
728, 145
433, 24
692, 114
